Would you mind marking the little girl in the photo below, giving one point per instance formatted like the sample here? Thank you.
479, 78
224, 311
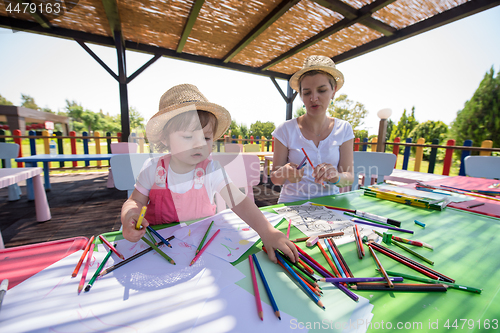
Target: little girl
180, 186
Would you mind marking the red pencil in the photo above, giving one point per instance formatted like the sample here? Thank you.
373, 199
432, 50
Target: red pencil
86, 268
312, 165
204, 247
111, 247
79, 264
359, 240
256, 289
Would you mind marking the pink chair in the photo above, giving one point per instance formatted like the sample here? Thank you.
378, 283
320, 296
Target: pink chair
233, 147
120, 148
242, 169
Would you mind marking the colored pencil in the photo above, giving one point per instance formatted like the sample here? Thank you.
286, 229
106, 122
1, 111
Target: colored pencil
356, 240
159, 236
4, 286
356, 280
451, 285
476, 205
377, 218
151, 237
373, 224
288, 230
204, 247
407, 241
266, 285
204, 237
86, 268
306, 267
341, 258
337, 208
381, 268
256, 289
141, 217
303, 239
79, 264
335, 258
99, 269
359, 241
400, 287
111, 247
304, 279
301, 164
309, 292
157, 249
413, 252
328, 260
312, 165
126, 261
420, 223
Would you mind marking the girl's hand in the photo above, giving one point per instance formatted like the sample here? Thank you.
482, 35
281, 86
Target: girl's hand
129, 231
276, 240
325, 172
291, 173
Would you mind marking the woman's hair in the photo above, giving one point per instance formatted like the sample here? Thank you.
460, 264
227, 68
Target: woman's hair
333, 83
184, 122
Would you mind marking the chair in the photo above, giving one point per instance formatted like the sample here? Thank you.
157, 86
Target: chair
482, 166
372, 164
233, 147
120, 148
249, 147
9, 151
243, 170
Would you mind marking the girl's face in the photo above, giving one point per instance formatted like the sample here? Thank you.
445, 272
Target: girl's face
316, 92
191, 146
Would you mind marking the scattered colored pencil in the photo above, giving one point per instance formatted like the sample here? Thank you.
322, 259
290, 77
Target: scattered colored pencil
337, 208
79, 264
400, 287
204, 237
268, 289
356, 280
157, 249
86, 268
413, 252
476, 205
141, 217
256, 289
450, 285
204, 247
377, 218
126, 261
420, 223
288, 230
359, 242
99, 269
303, 239
407, 241
373, 224
111, 247
328, 260
335, 258
381, 268
341, 258
159, 236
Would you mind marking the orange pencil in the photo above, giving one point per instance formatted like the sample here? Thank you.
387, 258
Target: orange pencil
86, 268
334, 269
77, 268
111, 247
359, 240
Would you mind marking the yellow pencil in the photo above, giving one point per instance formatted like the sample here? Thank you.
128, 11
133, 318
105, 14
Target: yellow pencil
141, 216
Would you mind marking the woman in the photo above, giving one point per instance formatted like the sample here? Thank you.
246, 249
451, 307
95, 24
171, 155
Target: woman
327, 141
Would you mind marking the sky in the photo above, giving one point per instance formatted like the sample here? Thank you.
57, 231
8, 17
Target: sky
436, 72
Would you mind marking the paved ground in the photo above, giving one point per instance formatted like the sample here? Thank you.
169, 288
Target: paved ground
81, 205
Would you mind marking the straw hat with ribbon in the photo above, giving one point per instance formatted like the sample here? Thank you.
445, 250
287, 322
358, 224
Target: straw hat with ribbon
317, 63
183, 98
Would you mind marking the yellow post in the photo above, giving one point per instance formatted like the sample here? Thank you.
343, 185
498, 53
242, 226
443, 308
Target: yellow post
240, 139
141, 142
374, 143
97, 141
46, 144
486, 144
262, 143
419, 154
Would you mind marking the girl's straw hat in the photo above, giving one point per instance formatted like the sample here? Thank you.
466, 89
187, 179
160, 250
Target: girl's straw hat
183, 98
318, 63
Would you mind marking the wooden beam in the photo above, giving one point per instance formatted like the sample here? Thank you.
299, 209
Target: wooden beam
436, 21
272, 17
193, 16
363, 13
113, 16
39, 17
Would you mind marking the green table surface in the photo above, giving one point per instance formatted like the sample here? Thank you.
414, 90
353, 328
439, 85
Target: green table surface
466, 248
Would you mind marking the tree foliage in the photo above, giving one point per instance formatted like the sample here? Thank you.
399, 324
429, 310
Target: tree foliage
405, 125
300, 111
479, 120
29, 102
259, 129
429, 130
348, 110
4, 101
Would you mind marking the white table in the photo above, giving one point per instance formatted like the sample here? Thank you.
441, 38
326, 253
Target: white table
10, 176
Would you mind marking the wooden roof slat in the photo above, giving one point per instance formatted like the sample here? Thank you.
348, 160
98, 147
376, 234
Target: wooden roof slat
113, 16
193, 15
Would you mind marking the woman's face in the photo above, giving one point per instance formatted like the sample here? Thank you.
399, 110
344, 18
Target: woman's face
316, 92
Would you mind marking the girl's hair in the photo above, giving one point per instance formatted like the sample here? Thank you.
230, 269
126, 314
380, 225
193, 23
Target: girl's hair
333, 83
184, 122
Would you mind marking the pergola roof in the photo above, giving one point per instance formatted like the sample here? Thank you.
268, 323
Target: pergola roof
267, 37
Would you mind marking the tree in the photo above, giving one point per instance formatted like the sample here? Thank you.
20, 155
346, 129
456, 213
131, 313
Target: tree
136, 119
300, 111
479, 119
4, 101
29, 102
405, 125
429, 130
259, 129
361, 134
91, 120
348, 110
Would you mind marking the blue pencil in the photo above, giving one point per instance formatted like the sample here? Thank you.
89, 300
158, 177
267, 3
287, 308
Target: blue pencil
271, 298
159, 236
303, 285
301, 164
337, 263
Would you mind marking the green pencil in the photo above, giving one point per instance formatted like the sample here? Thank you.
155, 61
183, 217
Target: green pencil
413, 252
204, 237
151, 236
170, 260
99, 269
448, 284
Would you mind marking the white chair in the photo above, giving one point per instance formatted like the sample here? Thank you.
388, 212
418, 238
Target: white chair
372, 165
120, 148
243, 170
233, 147
483, 166
8, 151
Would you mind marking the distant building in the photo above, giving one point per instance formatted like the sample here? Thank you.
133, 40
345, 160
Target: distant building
17, 117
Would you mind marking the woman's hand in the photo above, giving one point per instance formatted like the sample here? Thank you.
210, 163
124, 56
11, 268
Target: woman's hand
276, 240
325, 172
290, 172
